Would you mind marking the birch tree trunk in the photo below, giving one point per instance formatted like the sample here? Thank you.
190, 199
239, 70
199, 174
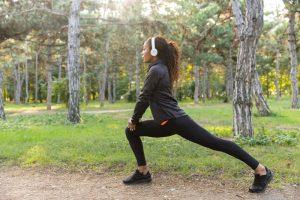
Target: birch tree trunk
49, 85
197, 81
85, 92
59, 80
17, 83
109, 90
206, 88
174, 92
99, 83
114, 84
229, 76
104, 77
206, 81
137, 72
2, 113
26, 77
248, 33
36, 78
74, 62
277, 76
261, 103
294, 62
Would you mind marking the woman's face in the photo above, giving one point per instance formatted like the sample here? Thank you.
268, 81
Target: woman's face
147, 58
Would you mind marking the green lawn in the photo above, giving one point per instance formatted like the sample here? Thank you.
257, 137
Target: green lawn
99, 142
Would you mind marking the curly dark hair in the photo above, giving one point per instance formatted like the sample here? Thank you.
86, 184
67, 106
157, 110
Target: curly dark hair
168, 52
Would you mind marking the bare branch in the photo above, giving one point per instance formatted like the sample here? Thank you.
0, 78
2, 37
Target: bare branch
53, 12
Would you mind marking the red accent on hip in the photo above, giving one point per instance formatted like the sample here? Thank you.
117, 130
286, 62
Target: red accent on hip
164, 122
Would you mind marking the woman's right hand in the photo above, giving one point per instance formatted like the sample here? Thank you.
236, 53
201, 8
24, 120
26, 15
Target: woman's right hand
131, 125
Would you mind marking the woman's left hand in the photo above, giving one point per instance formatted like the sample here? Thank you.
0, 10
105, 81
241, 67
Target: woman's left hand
131, 125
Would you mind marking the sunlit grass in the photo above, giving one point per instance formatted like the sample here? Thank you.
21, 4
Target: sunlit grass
49, 140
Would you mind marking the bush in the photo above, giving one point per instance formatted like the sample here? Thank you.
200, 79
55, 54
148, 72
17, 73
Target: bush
262, 139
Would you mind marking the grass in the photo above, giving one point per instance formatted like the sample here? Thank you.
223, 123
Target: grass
49, 140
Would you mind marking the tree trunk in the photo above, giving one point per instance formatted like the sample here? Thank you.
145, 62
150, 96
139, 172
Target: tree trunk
74, 62
277, 76
59, 80
248, 33
49, 85
104, 77
294, 62
197, 81
85, 92
26, 77
36, 78
17, 83
229, 76
175, 89
261, 103
114, 84
137, 72
99, 83
109, 90
2, 113
130, 70
206, 81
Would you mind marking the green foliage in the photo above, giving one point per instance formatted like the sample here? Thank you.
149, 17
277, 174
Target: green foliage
284, 139
259, 139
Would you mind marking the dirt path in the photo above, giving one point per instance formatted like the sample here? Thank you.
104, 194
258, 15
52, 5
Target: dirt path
37, 184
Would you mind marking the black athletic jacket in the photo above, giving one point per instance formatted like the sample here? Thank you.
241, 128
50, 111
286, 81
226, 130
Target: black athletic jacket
157, 93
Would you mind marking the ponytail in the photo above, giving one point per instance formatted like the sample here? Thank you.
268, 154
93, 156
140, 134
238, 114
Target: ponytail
173, 61
168, 52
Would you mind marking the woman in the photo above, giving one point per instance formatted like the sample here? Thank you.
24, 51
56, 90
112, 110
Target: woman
169, 119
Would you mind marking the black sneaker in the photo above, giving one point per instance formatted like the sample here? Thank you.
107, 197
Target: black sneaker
138, 177
260, 182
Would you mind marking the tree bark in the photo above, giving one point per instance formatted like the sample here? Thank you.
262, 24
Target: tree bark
261, 103
74, 62
49, 85
36, 78
229, 76
294, 62
277, 76
109, 90
249, 33
2, 113
206, 81
197, 81
26, 77
17, 83
59, 80
137, 72
85, 92
99, 83
104, 77
114, 84
174, 92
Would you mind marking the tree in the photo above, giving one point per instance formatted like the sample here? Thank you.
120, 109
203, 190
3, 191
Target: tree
248, 32
292, 7
74, 62
2, 113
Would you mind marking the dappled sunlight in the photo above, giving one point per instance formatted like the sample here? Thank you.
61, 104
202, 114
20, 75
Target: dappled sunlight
35, 156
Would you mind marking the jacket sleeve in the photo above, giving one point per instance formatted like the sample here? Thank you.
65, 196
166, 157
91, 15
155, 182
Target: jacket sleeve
142, 104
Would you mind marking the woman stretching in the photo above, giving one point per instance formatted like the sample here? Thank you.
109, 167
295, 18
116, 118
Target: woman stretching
169, 119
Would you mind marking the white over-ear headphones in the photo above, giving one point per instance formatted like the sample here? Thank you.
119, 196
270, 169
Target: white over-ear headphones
153, 51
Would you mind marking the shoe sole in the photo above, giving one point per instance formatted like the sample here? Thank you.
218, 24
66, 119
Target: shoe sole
139, 182
268, 181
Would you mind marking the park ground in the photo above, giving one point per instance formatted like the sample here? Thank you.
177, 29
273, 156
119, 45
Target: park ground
42, 156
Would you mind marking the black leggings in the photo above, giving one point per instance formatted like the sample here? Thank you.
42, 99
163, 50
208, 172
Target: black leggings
188, 129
